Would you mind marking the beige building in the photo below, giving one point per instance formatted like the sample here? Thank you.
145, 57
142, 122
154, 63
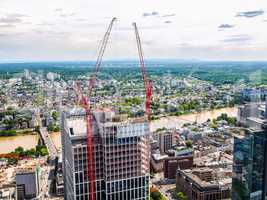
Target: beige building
203, 184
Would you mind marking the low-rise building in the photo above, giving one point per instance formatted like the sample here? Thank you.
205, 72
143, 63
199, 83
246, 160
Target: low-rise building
157, 161
171, 165
7, 192
59, 177
203, 183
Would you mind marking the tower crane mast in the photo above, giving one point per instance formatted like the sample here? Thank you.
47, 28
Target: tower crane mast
85, 103
147, 82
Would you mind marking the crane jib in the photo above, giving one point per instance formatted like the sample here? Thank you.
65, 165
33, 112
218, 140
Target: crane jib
84, 101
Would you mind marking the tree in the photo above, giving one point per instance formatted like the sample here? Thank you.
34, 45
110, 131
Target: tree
55, 115
8, 133
56, 129
30, 153
9, 123
181, 196
19, 150
231, 120
156, 195
41, 150
189, 144
214, 125
12, 161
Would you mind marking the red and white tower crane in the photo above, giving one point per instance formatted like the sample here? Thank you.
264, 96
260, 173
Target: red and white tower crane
147, 82
84, 101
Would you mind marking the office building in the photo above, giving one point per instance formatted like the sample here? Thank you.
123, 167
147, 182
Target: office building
28, 183
165, 141
250, 164
121, 156
171, 164
204, 183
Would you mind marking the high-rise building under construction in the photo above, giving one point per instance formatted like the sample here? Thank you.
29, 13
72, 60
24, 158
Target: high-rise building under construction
121, 156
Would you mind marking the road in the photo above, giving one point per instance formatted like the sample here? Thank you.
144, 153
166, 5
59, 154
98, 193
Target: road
47, 170
164, 186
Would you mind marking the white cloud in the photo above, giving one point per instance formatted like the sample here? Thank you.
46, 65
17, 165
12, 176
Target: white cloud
72, 29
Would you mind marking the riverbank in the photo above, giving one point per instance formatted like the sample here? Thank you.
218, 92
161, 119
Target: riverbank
8, 144
179, 121
13, 132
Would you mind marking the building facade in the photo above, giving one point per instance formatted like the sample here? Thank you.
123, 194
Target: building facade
203, 184
171, 165
250, 165
28, 184
165, 141
121, 156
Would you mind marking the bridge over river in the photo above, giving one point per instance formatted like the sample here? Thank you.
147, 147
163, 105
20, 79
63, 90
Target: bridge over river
52, 150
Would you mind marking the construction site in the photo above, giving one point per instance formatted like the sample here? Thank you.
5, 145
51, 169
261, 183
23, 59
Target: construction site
106, 155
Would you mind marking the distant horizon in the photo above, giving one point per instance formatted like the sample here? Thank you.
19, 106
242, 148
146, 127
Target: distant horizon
21, 61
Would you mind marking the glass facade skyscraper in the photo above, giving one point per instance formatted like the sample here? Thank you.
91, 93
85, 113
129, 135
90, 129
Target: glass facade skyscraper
249, 167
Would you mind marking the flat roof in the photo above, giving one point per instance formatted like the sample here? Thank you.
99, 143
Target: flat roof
78, 126
210, 184
256, 119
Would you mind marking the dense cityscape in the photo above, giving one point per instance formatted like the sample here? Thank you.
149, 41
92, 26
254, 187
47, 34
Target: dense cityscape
165, 101
200, 130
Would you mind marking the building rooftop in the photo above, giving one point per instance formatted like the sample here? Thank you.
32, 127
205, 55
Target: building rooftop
218, 182
76, 123
76, 126
256, 119
158, 156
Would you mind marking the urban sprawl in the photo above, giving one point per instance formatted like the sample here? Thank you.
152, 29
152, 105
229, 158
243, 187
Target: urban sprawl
206, 139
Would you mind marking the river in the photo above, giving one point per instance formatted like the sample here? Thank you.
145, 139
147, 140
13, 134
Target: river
8, 144
178, 122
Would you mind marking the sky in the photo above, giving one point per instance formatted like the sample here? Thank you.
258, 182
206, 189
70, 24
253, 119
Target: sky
51, 30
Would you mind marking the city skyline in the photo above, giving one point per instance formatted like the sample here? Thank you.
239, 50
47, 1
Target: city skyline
206, 30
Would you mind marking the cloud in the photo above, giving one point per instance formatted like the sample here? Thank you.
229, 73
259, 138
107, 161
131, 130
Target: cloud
154, 13
250, 14
149, 27
237, 38
58, 10
7, 25
82, 20
168, 22
169, 15
225, 26
45, 24
50, 33
10, 20
67, 15
3, 35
